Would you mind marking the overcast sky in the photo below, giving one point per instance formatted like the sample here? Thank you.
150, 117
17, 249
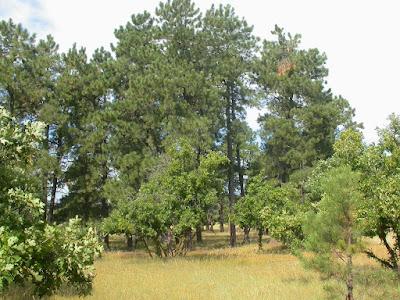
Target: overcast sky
359, 37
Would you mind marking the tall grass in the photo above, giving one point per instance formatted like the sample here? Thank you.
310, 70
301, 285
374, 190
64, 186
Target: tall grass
214, 271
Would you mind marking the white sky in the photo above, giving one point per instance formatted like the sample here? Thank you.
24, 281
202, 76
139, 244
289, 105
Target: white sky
359, 37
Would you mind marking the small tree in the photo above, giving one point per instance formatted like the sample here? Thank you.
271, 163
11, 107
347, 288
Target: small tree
119, 222
381, 185
272, 206
175, 200
248, 209
379, 166
333, 231
283, 214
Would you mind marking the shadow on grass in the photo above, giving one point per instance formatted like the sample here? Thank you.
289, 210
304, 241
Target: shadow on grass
275, 248
208, 249
376, 275
301, 279
208, 257
25, 292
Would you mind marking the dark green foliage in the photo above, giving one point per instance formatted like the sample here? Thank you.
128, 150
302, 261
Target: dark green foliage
230, 56
27, 67
303, 116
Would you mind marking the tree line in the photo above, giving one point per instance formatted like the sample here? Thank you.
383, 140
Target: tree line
172, 75
150, 139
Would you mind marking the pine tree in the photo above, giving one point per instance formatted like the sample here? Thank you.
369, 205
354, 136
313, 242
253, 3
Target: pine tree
333, 232
28, 78
303, 116
86, 89
230, 55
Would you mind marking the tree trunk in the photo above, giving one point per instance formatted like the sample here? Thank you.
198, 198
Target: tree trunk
221, 216
232, 231
11, 100
260, 235
229, 145
44, 194
104, 205
393, 258
45, 178
189, 240
246, 235
349, 281
199, 237
210, 223
240, 170
147, 248
349, 266
50, 217
129, 241
54, 183
157, 245
107, 241
170, 238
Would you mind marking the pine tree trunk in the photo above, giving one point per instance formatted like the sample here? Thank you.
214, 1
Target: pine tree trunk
50, 217
44, 195
349, 281
104, 204
45, 178
54, 183
11, 100
240, 170
229, 145
349, 263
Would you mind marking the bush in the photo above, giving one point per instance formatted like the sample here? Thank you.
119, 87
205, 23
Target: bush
32, 251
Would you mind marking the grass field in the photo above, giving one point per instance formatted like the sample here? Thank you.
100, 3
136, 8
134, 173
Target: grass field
213, 271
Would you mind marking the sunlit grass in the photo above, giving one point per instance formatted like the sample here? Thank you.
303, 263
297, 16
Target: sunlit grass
212, 271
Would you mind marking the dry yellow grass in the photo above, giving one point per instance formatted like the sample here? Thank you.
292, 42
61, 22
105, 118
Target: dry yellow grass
221, 273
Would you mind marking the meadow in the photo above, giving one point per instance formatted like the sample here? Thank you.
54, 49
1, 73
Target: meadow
214, 271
